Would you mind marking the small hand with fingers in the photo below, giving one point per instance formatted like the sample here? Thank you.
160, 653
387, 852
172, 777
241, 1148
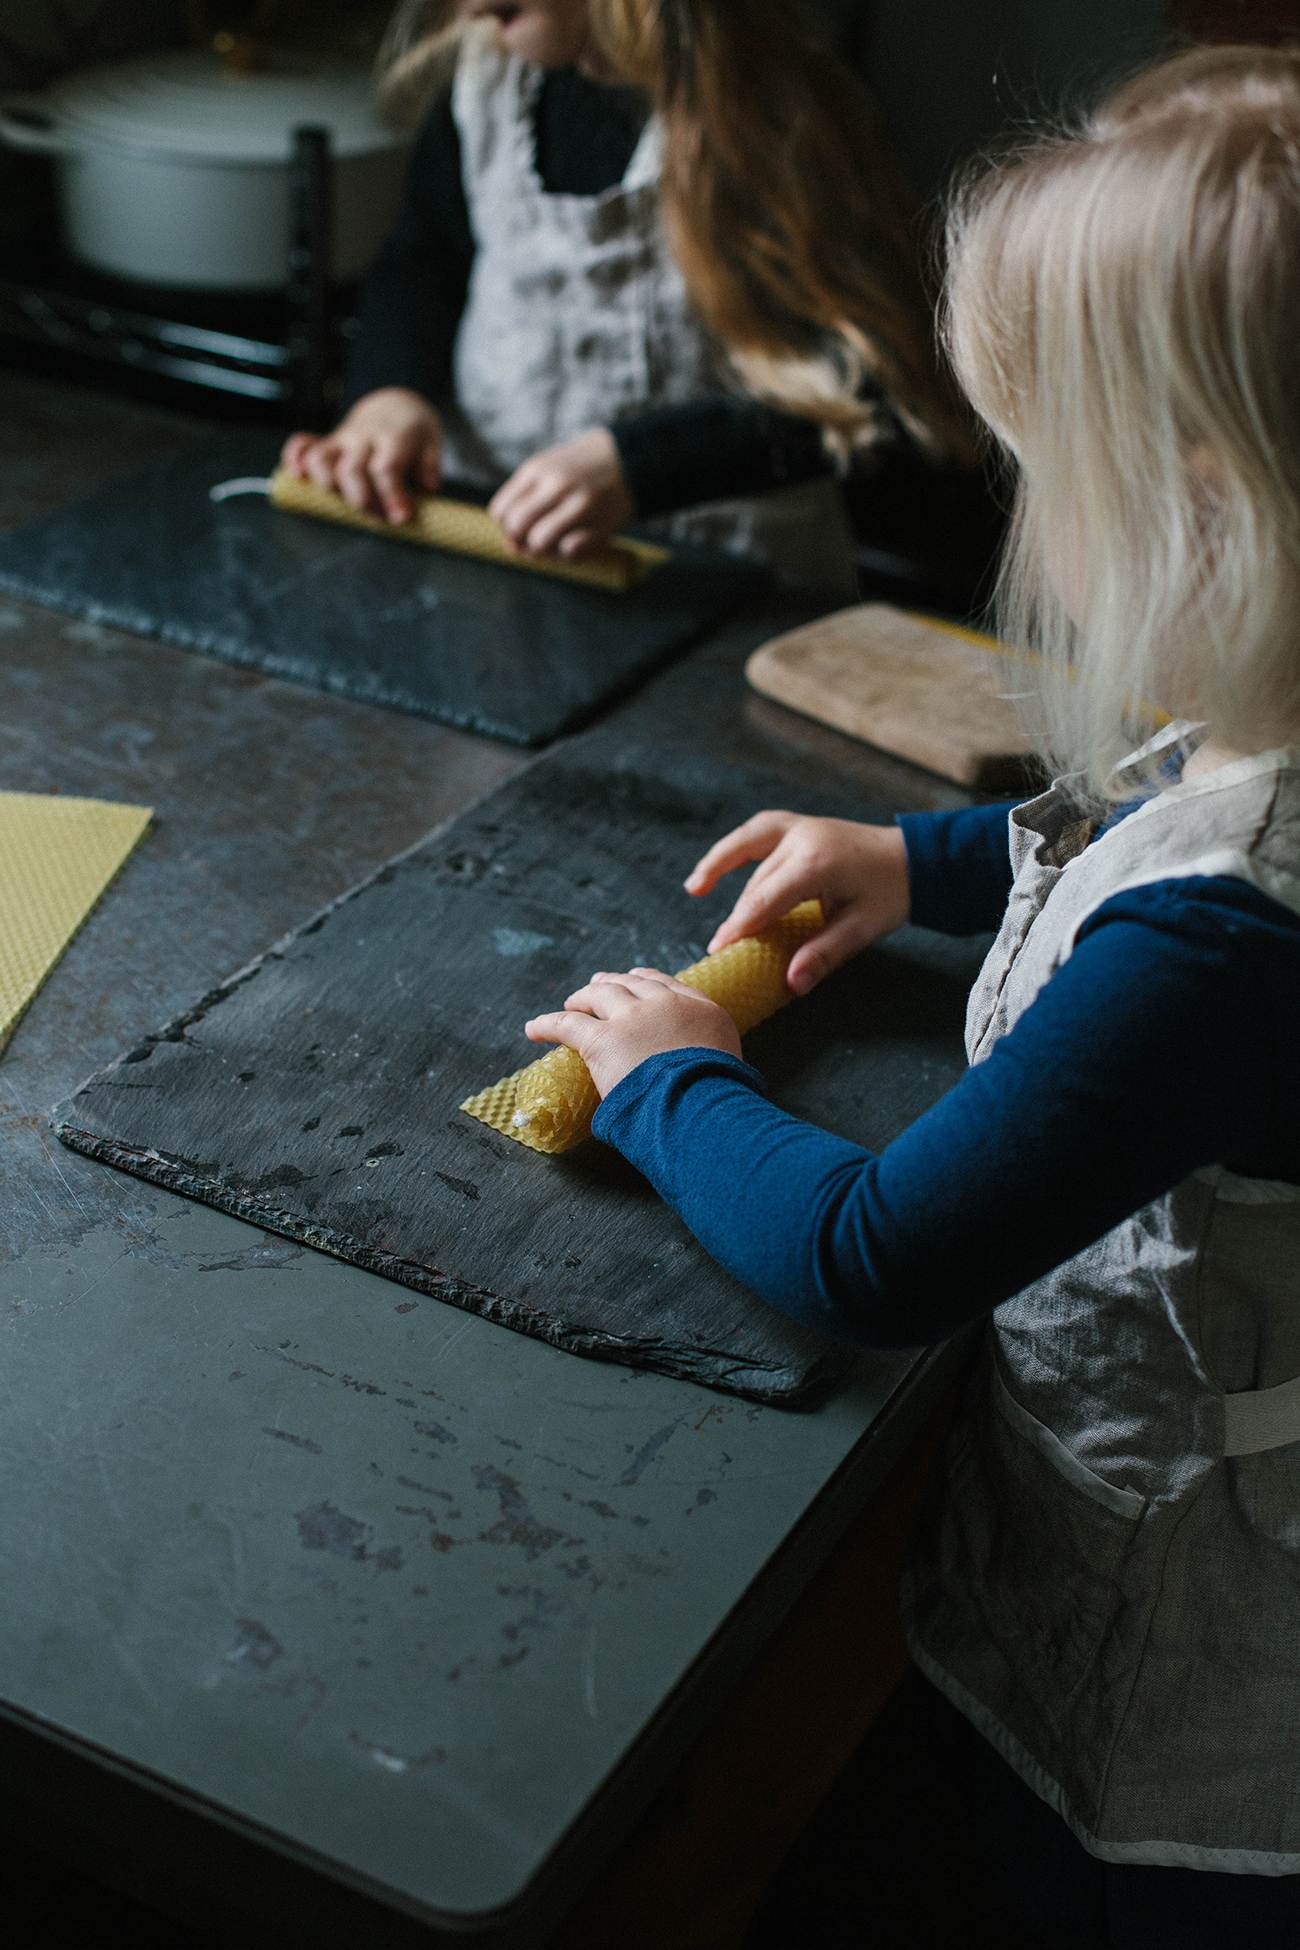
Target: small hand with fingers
859, 875
857, 872
566, 500
617, 1021
387, 446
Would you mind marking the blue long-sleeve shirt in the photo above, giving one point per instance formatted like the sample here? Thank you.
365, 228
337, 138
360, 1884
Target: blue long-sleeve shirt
1168, 1041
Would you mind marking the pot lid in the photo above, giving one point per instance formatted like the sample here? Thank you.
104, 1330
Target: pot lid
191, 105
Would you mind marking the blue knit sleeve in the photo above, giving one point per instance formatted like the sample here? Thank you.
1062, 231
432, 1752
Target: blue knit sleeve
959, 867
1167, 1041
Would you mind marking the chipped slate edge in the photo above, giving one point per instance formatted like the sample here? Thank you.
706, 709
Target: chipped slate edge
711, 1368
216, 643
173, 1031
312, 676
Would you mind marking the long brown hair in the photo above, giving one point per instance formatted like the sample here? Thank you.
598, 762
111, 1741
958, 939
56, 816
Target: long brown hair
796, 232
416, 57
793, 226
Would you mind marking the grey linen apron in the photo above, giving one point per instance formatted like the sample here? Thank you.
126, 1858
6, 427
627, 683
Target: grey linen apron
577, 316
1110, 1587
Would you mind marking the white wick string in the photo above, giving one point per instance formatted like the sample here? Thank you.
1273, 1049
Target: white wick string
242, 484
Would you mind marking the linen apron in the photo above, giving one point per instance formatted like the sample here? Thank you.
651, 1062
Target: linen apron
1110, 1587
578, 316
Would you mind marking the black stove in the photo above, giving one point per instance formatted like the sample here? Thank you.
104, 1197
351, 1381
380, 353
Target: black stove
277, 356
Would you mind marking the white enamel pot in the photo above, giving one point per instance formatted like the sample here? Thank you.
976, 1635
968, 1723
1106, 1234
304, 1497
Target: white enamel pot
174, 170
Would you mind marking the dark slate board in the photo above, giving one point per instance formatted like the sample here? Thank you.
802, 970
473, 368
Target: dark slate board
520, 657
315, 1093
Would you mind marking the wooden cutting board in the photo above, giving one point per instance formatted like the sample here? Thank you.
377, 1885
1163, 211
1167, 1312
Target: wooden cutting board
931, 692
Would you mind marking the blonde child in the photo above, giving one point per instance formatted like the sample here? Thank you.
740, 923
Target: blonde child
1109, 1591
530, 328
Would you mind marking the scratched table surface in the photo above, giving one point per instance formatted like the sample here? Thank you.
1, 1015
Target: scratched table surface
381, 1590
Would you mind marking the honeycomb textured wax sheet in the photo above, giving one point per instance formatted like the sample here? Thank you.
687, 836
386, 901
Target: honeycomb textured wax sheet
549, 1104
56, 858
467, 530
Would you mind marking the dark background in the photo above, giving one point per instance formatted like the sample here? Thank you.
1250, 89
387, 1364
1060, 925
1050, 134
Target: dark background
949, 73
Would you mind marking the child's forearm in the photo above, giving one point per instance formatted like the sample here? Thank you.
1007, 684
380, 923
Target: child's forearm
1037, 1152
712, 449
753, 1184
792, 1211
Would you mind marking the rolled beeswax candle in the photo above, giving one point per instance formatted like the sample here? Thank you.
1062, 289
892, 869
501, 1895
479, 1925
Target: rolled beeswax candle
467, 530
550, 1104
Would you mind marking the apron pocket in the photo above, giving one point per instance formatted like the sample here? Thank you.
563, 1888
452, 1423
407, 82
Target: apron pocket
1038, 1540
1124, 1503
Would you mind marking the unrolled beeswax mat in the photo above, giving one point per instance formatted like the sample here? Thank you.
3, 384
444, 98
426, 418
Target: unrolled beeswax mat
56, 858
470, 643
317, 1092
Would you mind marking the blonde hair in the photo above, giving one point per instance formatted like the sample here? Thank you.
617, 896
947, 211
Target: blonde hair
1122, 309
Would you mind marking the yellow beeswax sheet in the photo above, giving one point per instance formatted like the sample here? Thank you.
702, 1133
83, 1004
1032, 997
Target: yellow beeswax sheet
56, 858
466, 530
549, 1104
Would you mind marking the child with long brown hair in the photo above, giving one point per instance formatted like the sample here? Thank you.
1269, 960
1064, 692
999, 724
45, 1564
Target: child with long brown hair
1107, 1594
615, 207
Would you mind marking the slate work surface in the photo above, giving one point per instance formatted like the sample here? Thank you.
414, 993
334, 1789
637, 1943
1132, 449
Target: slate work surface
516, 656
315, 1092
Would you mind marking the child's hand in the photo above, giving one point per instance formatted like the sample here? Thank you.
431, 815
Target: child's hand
616, 1021
858, 873
566, 500
388, 444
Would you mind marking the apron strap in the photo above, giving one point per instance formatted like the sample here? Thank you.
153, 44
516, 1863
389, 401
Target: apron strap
1261, 1418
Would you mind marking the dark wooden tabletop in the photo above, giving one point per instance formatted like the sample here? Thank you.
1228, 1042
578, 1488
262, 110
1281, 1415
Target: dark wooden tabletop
222, 1596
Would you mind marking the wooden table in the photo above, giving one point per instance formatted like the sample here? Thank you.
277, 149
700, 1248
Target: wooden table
235, 1676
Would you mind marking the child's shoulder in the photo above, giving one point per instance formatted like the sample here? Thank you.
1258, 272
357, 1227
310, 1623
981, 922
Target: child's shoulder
1239, 821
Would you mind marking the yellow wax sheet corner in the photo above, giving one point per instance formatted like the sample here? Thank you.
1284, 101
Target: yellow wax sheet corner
495, 1107
57, 856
